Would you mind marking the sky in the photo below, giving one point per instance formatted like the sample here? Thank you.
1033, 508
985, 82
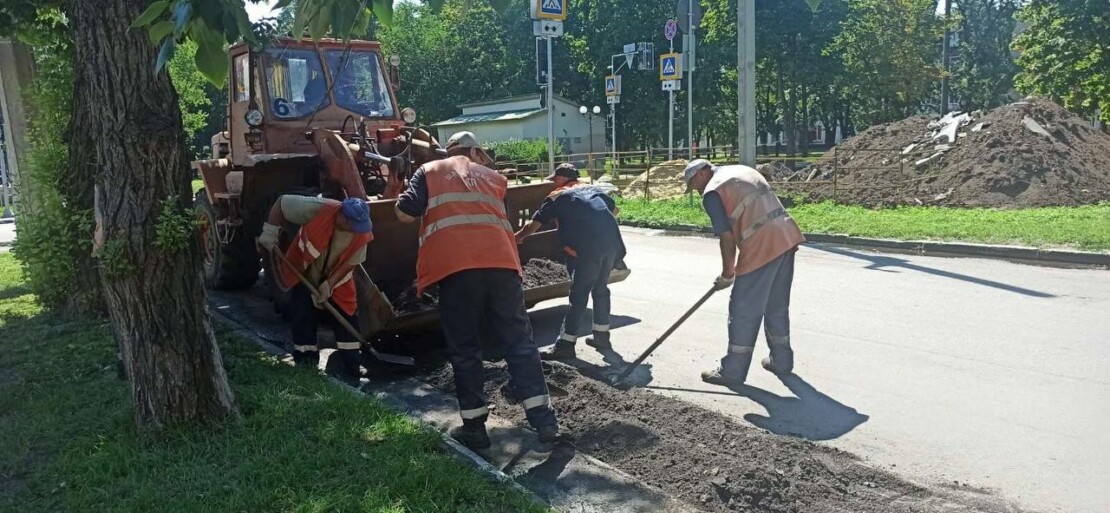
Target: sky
260, 10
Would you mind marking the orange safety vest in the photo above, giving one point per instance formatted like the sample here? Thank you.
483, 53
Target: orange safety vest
306, 248
465, 226
762, 228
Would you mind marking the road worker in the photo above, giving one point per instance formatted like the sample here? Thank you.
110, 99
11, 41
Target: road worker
467, 247
326, 249
758, 239
591, 238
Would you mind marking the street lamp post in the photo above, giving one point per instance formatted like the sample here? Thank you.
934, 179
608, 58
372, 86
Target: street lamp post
590, 113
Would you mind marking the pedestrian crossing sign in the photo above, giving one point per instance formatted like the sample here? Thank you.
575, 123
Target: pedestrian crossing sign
550, 9
613, 85
670, 66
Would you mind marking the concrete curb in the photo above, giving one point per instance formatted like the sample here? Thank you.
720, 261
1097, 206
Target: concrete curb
1027, 255
457, 450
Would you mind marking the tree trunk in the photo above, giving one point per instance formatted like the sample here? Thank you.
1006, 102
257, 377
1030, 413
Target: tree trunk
789, 129
155, 296
78, 191
803, 130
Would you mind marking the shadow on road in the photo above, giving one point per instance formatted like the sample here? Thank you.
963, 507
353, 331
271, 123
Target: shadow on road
882, 262
810, 414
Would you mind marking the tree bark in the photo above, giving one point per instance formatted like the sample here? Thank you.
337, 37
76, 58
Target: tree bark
155, 297
78, 191
789, 129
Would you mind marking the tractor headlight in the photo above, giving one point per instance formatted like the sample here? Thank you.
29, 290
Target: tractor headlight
408, 115
254, 117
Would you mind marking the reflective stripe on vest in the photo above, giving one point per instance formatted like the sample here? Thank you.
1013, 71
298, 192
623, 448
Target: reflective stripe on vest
770, 217
462, 219
450, 197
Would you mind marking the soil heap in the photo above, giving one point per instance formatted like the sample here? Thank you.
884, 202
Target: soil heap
1030, 153
658, 183
539, 272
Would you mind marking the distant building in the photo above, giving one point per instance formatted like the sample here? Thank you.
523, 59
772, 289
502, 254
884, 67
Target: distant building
523, 117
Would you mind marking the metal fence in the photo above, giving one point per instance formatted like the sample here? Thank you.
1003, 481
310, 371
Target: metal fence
870, 176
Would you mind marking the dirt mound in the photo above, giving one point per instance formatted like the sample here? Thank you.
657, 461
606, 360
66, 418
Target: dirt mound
1027, 154
539, 272
708, 459
660, 182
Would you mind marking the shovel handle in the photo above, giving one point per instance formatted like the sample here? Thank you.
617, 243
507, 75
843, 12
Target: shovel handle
666, 334
327, 305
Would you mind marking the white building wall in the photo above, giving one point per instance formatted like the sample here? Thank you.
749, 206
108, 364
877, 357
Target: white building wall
571, 127
486, 132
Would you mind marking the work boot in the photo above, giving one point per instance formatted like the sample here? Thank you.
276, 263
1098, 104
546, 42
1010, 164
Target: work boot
562, 350
471, 434
719, 377
345, 364
599, 341
770, 365
307, 359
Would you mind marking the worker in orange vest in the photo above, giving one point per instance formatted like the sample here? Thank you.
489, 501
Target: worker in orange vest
591, 237
758, 241
331, 242
467, 247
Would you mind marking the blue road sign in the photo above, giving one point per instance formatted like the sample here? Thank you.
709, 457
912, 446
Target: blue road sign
670, 66
552, 10
613, 85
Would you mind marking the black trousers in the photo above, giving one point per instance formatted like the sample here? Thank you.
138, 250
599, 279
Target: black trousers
493, 298
305, 317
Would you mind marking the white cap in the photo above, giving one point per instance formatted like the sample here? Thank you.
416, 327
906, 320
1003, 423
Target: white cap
693, 167
463, 140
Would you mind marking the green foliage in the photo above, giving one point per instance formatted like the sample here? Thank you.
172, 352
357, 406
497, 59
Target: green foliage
1086, 227
176, 226
194, 95
115, 260
1064, 53
889, 49
524, 151
985, 74
303, 445
50, 232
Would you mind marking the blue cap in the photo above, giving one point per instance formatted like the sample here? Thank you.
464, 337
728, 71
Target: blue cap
358, 216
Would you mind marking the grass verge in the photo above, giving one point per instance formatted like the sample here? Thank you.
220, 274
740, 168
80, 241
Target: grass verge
1086, 227
303, 445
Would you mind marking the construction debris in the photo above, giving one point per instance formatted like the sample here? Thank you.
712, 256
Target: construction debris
540, 272
1026, 154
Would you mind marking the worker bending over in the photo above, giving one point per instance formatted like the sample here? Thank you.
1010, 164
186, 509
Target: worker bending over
592, 239
330, 243
758, 239
467, 247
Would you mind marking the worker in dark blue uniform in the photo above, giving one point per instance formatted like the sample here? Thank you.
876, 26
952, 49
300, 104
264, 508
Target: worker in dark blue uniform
592, 240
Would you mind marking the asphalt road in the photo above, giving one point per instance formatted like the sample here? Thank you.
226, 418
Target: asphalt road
966, 373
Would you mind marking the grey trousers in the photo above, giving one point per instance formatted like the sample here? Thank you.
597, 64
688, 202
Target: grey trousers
761, 296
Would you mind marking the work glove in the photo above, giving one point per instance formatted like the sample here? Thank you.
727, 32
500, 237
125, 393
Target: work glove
722, 283
324, 294
269, 237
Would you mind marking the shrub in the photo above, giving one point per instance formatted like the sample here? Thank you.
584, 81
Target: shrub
524, 151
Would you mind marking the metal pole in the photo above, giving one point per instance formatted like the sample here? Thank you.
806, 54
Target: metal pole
670, 120
692, 54
944, 56
550, 110
613, 112
745, 43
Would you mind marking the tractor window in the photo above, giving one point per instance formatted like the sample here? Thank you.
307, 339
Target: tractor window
242, 78
360, 85
296, 82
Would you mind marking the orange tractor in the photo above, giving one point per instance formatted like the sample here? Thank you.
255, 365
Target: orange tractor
322, 118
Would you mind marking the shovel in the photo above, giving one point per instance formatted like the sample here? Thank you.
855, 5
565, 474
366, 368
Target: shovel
385, 357
659, 341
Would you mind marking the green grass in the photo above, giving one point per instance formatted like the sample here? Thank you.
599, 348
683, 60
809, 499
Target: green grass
1086, 227
303, 445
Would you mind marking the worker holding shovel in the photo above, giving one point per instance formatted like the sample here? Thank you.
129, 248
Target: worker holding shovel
758, 239
592, 239
325, 252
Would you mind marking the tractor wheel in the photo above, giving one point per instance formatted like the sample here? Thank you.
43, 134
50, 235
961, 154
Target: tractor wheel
229, 266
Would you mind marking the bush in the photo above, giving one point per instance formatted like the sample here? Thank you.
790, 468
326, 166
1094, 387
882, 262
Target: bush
524, 151
50, 230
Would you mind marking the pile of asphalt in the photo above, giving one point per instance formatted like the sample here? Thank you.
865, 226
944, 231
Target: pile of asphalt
541, 272
710, 460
